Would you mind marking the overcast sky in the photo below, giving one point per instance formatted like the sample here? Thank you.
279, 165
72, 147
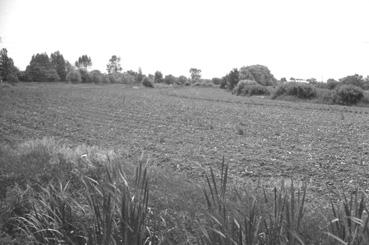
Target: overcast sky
302, 39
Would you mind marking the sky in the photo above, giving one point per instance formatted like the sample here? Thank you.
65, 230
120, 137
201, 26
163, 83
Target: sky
293, 38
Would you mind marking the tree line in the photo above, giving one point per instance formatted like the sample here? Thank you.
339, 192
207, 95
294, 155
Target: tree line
45, 68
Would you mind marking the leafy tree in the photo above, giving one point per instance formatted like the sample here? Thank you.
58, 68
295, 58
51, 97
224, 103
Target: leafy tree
83, 62
356, 80
195, 74
366, 83
332, 83
7, 67
245, 74
114, 65
59, 64
224, 82
182, 80
68, 67
85, 76
139, 76
41, 69
283, 80
158, 77
258, 73
233, 78
170, 79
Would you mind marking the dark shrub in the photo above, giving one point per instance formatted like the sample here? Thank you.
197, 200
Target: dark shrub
247, 89
332, 84
147, 82
182, 80
12, 78
84, 75
347, 95
216, 81
22, 76
223, 83
299, 90
96, 76
170, 79
355, 80
158, 77
115, 77
74, 77
232, 78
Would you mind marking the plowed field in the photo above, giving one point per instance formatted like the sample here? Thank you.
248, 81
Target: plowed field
189, 129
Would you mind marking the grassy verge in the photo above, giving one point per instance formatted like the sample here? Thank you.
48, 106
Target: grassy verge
53, 194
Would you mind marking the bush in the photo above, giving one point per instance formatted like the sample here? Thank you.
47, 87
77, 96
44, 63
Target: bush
128, 78
158, 77
96, 76
170, 79
84, 75
204, 83
216, 81
299, 90
231, 79
332, 84
147, 82
223, 83
74, 77
182, 80
246, 88
347, 95
11, 78
105, 78
258, 73
22, 76
355, 80
116, 77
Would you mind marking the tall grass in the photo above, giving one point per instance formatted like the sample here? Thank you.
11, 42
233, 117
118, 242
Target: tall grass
247, 219
350, 220
102, 200
109, 211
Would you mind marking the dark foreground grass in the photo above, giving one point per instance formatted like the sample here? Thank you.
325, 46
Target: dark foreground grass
53, 194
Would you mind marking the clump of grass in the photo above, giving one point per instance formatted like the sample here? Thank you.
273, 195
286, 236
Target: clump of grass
246, 219
119, 211
350, 220
109, 211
